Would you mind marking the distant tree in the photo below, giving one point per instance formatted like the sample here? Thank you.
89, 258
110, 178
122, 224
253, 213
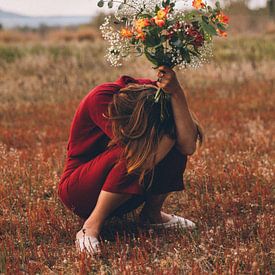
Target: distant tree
1, 27
271, 8
42, 29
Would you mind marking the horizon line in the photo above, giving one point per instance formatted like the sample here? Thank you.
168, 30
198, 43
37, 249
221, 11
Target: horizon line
50, 15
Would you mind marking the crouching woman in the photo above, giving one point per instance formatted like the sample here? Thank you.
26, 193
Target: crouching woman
122, 153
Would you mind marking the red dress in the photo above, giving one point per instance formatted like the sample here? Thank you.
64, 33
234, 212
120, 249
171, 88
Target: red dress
90, 165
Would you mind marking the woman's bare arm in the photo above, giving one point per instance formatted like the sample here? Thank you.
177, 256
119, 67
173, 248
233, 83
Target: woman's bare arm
165, 145
186, 129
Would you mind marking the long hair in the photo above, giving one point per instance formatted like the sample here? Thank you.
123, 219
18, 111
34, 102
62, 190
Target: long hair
137, 126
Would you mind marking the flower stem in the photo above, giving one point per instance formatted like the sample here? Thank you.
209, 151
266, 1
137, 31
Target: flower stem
161, 98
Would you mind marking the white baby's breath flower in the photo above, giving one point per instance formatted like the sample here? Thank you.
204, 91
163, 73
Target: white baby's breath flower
119, 48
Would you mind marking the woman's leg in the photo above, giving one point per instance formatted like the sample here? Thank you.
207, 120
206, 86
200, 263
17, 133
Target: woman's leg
116, 189
168, 177
83, 187
108, 202
105, 205
151, 211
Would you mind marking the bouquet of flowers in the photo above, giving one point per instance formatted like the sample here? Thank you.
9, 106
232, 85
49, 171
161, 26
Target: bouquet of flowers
165, 35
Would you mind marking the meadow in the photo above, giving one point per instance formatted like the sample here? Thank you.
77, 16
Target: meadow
229, 182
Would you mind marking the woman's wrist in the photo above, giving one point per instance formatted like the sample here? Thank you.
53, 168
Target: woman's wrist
178, 93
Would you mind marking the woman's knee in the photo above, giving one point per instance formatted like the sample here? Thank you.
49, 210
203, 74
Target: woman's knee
131, 204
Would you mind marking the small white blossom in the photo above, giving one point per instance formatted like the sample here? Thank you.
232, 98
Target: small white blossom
120, 48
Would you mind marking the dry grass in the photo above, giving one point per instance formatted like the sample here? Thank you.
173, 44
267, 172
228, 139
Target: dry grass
55, 34
229, 182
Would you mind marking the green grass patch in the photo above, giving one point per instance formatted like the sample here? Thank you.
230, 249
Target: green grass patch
10, 53
244, 49
258, 48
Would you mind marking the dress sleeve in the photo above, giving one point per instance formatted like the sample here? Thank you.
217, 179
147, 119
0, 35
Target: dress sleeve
98, 109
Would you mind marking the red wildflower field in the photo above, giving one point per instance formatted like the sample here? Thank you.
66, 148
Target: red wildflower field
229, 181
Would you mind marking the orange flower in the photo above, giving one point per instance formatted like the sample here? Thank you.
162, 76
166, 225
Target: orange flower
221, 33
222, 18
141, 23
198, 4
159, 22
140, 35
161, 16
126, 33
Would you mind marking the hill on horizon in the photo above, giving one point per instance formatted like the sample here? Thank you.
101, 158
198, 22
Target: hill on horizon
10, 20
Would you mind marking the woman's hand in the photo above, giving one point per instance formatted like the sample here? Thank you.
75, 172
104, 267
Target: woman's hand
167, 80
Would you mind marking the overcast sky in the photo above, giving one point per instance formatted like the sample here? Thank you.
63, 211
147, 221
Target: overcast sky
66, 7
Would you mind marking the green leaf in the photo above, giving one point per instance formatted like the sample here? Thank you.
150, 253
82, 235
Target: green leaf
205, 19
157, 8
190, 15
157, 46
144, 15
152, 39
133, 41
194, 52
160, 53
208, 28
186, 55
110, 4
150, 57
218, 5
163, 38
221, 27
100, 3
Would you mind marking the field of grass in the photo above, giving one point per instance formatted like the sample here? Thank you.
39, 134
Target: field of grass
229, 181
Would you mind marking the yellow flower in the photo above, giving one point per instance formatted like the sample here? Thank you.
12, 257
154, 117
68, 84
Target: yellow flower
161, 16
198, 4
141, 23
126, 33
140, 35
162, 13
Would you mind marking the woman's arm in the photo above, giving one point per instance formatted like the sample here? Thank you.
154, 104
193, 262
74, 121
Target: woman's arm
164, 146
186, 129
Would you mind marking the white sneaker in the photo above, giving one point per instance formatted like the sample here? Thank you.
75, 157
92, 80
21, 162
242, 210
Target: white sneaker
174, 222
88, 244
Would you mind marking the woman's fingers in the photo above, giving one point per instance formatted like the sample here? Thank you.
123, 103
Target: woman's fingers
167, 79
165, 71
160, 74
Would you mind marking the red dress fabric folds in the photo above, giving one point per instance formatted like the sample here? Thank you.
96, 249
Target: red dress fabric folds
91, 167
